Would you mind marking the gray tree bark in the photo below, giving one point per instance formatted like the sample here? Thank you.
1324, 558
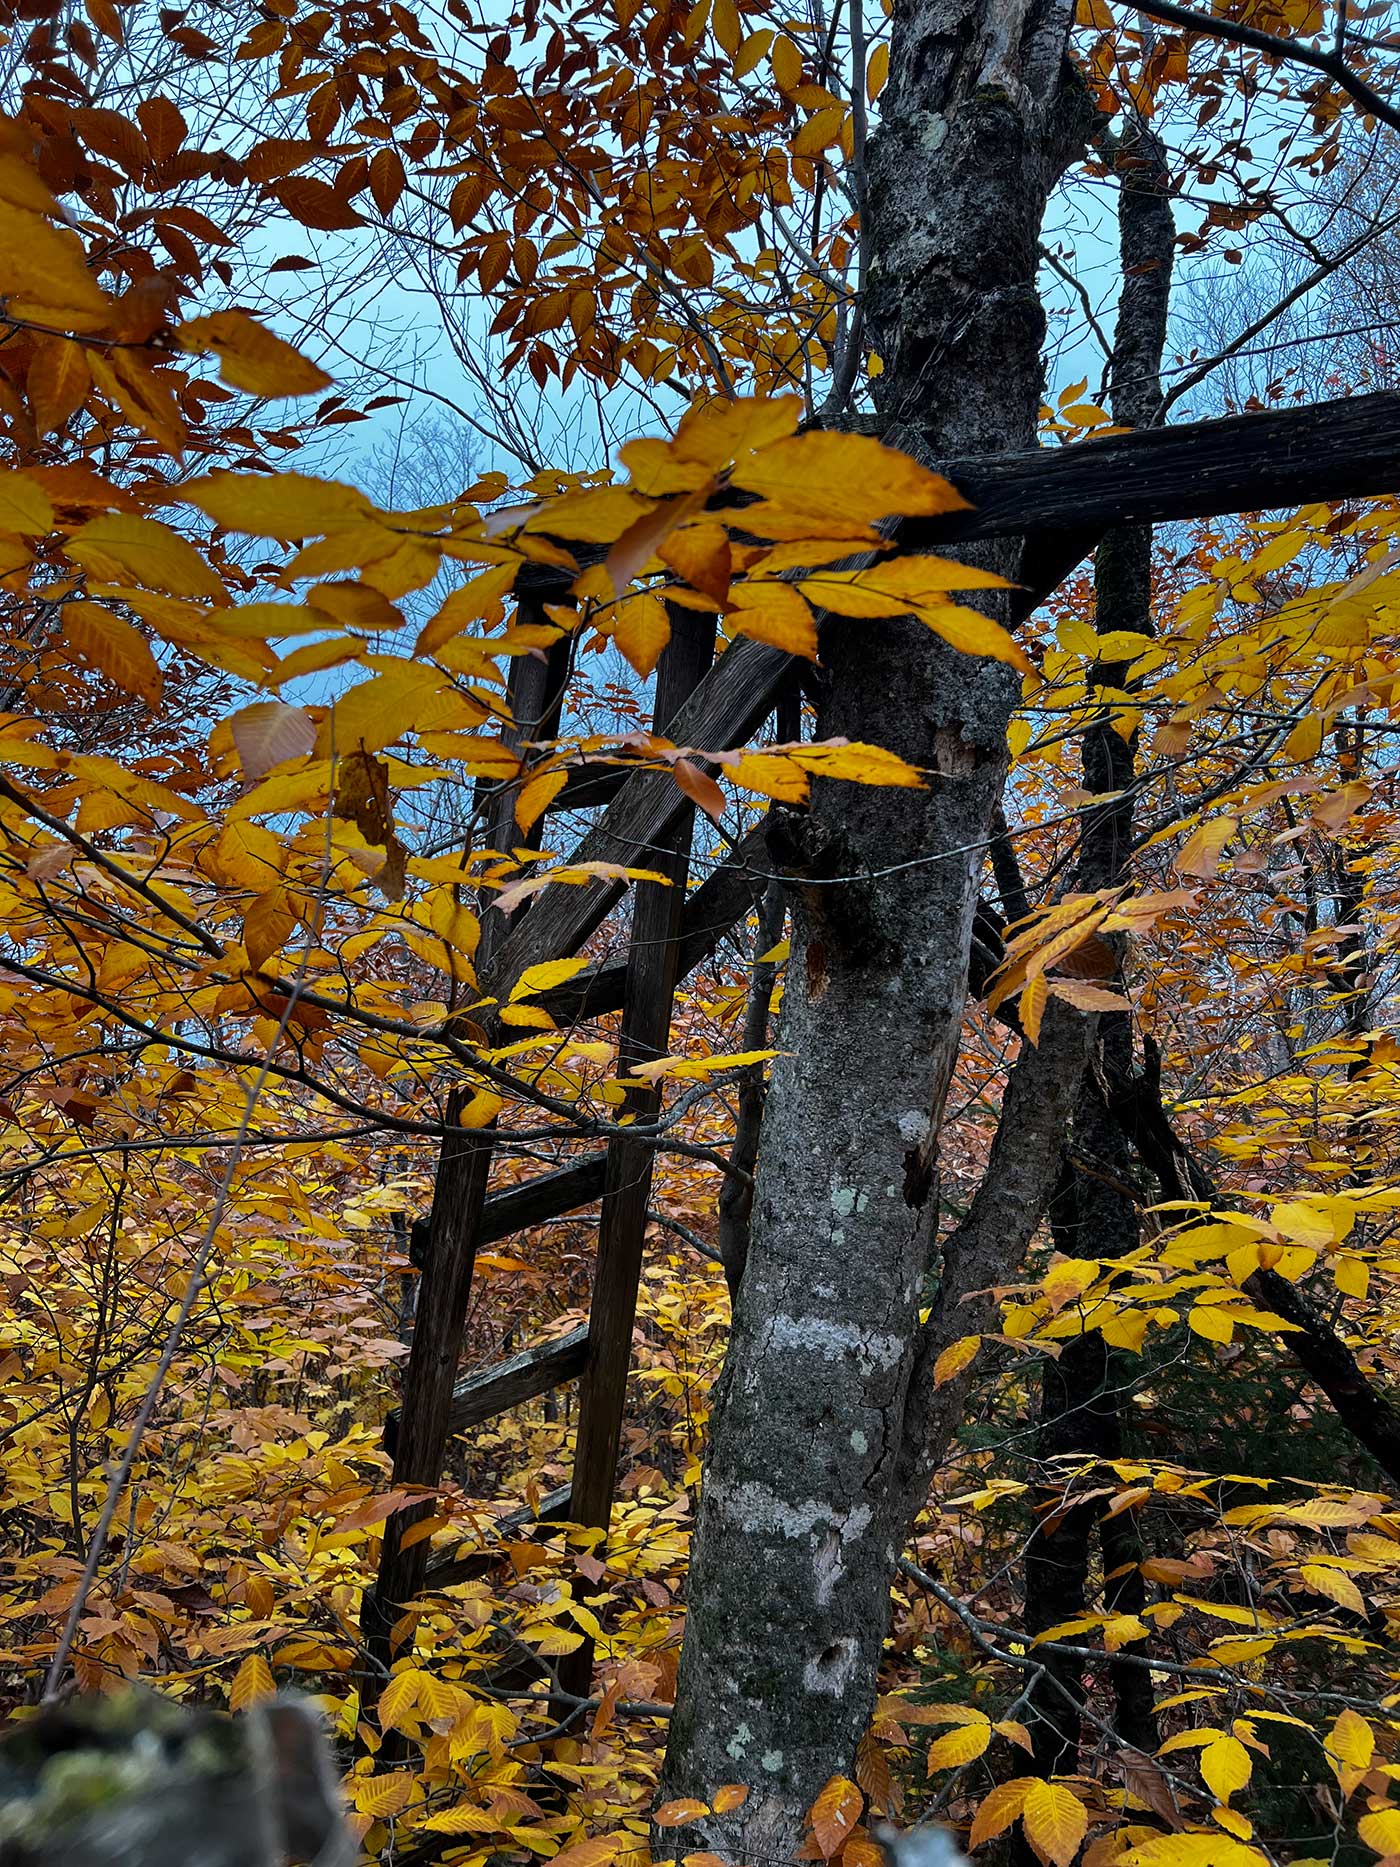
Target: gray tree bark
816, 1461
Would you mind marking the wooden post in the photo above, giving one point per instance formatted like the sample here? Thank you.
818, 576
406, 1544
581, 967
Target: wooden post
652, 968
424, 1420
458, 1196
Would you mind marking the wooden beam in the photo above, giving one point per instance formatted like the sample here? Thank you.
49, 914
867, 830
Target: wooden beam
545, 1196
1244, 463
448, 1571
652, 962
506, 1384
725, 708
589, 787
459, 1193
721, 900
501, 1385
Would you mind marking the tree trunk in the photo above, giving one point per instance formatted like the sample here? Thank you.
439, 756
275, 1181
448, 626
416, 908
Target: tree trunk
811, 1484
1095, 1213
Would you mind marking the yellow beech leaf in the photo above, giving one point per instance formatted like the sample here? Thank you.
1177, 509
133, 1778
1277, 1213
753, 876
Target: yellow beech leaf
57, 384
772, 775
1336, 1586
545, 976
641, 628
145, 396
277, 505
248, 856
1351, 1741
955, 1358
998, 1810
43, 270
1055, 1821
701, 554
752, 52
250, 357
877, 71
268, 622
775, 613
1381, 1830
699, 787
251, 1683
24, 507
895, 586
787, 64
860, 764
268, 733
354, 606
595, 1851
959, 1746
1212, 1322
398, 1702
465, 1819
536, 795
1196, 1850
1314, 1222
1068, 1279
1032, 1007
834, 1814
1120, 1630
820, 131
467, 605
118, 545
383, 1795
268, 925
846, 475
1226, 1766
112, 645
972, 633
597, 516
1086, 997
1200, 854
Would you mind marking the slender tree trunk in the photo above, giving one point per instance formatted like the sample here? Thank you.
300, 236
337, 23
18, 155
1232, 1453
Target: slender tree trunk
811, 1480
1095, 1213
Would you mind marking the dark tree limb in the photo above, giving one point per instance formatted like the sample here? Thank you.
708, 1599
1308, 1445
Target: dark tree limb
1094, 1213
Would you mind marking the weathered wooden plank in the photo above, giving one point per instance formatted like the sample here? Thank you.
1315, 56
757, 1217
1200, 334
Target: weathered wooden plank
652, 964
545, 1196
721, 900
725, 708
459, 1192
448, 1571
589, 787
501, 1385
506, 1384
1242, 463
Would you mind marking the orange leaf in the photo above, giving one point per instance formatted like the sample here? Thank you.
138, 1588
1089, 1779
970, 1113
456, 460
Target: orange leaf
680, 1812
700, 788
834, 1814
